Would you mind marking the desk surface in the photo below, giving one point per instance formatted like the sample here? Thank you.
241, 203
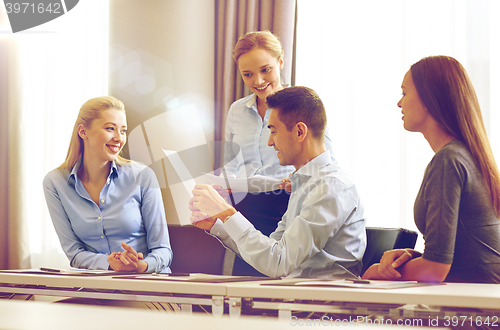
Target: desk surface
28, 315
486, 296
109, 283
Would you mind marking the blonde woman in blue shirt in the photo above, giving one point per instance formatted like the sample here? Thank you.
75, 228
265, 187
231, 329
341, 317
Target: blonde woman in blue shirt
259, 57
107, 210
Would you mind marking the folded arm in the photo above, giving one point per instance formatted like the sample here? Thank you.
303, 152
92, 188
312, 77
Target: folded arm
398, 265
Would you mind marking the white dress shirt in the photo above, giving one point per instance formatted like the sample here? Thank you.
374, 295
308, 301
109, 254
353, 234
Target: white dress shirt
321, 235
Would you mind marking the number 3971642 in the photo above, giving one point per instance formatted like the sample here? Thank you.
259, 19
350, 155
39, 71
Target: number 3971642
454, 321
27, 7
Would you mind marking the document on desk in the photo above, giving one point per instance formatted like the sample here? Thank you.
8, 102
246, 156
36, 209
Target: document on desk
195, 277
355, 283
70, 272
257, 183
183, 191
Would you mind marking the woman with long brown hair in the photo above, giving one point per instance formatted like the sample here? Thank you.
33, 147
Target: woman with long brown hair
457, 208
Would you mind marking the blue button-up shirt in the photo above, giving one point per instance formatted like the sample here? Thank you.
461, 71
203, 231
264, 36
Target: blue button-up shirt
130, 210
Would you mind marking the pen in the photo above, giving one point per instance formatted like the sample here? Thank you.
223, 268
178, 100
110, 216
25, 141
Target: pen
50, 270
358, 281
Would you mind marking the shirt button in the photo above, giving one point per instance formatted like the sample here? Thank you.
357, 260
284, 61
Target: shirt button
218, 233
102, 236
102, 200
107, 182
98, 218
107, 253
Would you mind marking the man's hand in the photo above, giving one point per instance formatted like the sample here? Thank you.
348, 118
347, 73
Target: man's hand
197, 216
206, 224
207, 205
208, 201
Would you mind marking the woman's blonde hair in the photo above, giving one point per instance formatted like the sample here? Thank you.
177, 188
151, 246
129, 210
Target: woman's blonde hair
260, 39
90, 111
445, 89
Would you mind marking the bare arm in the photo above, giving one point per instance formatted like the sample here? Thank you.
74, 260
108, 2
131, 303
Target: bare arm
416, 269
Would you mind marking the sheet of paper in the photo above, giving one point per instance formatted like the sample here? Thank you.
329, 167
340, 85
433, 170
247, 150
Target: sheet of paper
361, 284
256, 183
181, 192
202, 278
61, 271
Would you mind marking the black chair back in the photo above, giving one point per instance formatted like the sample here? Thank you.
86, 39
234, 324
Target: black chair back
195, 251
379, 240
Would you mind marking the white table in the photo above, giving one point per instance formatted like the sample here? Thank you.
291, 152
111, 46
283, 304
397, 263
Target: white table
29, 315
106, 287
448, 300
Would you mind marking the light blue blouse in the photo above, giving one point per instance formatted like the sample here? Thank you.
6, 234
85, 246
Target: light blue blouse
246, 130
130, 210
321, 235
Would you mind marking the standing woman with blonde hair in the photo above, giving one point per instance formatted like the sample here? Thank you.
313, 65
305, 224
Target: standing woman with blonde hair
259, 57
457, 209
107, 210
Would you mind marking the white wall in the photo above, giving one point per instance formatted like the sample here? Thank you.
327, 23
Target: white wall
162, 58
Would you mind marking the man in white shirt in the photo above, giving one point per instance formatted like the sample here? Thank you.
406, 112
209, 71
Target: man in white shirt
322, 233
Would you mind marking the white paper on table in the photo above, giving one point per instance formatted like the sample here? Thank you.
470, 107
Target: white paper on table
257, 183
361, 284
183, 191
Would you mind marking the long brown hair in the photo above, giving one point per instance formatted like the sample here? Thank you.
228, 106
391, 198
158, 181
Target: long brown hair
90, 111
445, 89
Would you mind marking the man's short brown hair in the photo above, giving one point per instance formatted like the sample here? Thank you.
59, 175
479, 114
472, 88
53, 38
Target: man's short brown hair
299, 104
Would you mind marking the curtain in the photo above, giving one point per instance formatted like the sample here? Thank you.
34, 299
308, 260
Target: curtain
47, 73
233, 19
13, 221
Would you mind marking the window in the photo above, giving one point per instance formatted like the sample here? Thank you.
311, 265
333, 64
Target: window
355, 54
63, 63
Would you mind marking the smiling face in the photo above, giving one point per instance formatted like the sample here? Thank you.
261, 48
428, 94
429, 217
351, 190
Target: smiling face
106, 136
415, 115
282, 140
260, 72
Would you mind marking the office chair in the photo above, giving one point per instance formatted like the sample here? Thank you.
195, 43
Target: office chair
195, 251
379, 240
